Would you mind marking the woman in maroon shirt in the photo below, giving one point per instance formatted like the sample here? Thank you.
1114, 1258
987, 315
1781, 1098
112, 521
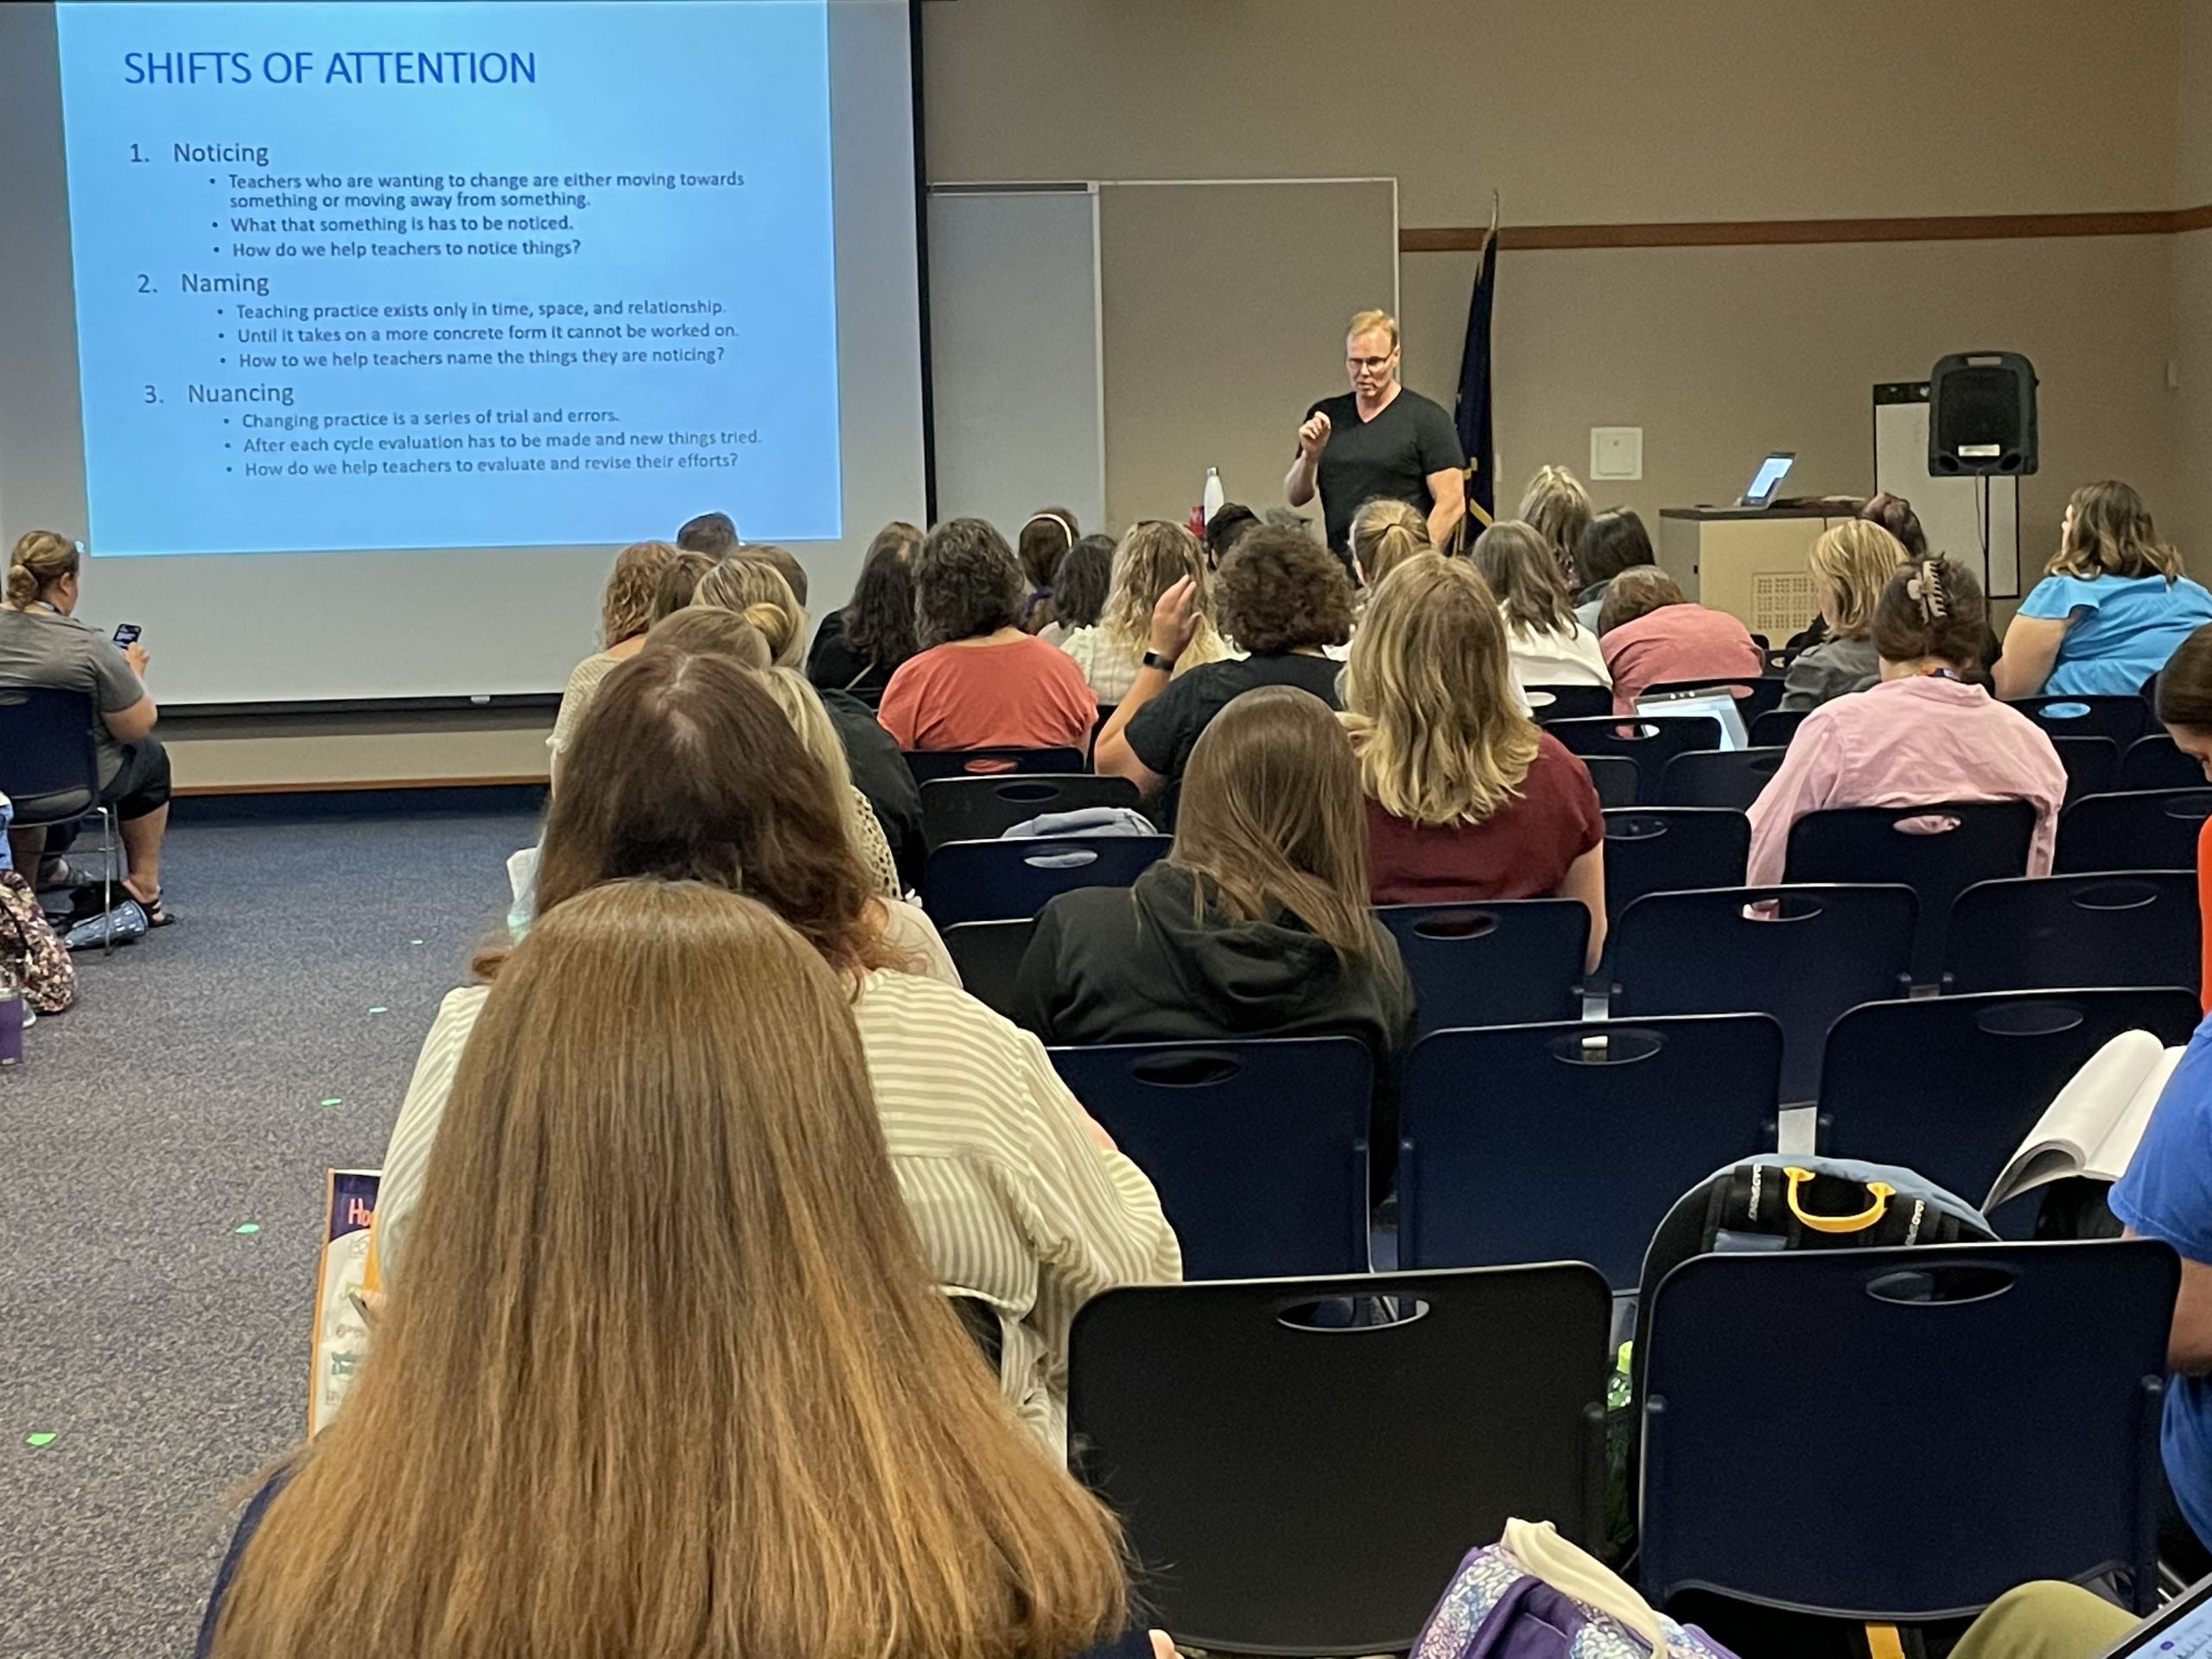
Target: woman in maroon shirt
1467, 799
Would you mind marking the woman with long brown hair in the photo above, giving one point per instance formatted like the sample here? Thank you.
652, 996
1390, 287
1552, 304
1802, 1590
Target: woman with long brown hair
1467, 798
687, 770
859, 648
1256, 925
2113, 606
1545, 641
667, 1373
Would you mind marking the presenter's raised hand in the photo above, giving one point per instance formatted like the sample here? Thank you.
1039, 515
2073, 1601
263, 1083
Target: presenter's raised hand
135, 654
1313, 438
1174, 622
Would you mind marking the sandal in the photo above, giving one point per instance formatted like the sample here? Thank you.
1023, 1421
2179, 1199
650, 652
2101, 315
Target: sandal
156, 916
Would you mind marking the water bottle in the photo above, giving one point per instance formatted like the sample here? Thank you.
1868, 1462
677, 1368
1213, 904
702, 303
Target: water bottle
1214, 495
11, 1022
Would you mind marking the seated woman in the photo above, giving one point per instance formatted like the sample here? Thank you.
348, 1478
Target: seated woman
1048, 539
686, 769
1257, 923
1152, 558
2111, 609
1851, 565
1652, 634
981, 682
661, 1234
1385, 533
625, 611
1079, 589
2185, 710
1467, 799
1546, 643
43, 646
756, 591
1284, 599
856, 649
1614, 541
1920, 735
1557, 507
679, 581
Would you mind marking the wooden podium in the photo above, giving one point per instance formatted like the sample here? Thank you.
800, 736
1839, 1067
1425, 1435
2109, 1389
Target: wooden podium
1749, 561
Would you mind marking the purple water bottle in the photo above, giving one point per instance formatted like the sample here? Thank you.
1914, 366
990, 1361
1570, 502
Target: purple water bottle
11, 1023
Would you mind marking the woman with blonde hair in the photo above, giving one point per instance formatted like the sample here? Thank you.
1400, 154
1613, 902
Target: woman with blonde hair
1384, 535
1467, 799
1557, 507
625, 611
757, 592
1851, 564
802, 706
2111, 609
1546, 642
1153, 556
667, 1372
1256, 925
687, 770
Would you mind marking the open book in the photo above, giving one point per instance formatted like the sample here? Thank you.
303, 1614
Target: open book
2092, 1127
341, 1334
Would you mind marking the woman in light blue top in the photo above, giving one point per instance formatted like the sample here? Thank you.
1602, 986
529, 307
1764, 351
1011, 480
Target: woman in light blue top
2111, 608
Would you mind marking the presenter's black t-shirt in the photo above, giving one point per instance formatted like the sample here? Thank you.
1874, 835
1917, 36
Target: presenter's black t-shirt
1391, 456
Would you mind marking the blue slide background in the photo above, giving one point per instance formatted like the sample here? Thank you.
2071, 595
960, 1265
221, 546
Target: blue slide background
673, 88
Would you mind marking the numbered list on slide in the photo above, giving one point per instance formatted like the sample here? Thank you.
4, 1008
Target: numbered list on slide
432, 276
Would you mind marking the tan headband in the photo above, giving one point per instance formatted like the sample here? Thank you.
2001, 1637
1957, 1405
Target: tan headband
1067, 529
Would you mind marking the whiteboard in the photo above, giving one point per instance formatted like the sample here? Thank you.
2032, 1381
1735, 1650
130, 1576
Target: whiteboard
1950, 508
1016, 384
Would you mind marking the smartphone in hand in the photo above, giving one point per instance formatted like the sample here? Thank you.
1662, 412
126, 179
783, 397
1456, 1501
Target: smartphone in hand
126, 633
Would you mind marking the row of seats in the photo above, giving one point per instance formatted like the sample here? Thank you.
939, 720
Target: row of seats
1568, 1139
1891, 1435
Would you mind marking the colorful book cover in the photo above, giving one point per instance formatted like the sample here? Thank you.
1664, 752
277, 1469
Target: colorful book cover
341, 1335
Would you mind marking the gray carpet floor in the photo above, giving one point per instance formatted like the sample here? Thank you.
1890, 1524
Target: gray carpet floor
164, 1351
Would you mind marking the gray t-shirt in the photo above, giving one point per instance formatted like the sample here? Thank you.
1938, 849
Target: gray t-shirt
39, 647
1834, 668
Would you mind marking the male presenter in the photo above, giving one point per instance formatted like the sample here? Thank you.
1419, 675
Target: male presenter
1376, 440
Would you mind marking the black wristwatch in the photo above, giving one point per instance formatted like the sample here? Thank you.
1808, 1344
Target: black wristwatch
1164, 664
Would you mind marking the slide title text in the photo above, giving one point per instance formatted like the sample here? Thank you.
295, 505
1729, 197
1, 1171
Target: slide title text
365, 68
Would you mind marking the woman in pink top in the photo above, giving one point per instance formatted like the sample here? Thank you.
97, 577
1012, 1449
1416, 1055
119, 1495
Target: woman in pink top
981, 682
1650, 634
1917, 735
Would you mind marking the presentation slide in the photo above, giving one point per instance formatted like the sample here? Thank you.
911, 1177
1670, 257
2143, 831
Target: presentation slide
373, 331
405, 276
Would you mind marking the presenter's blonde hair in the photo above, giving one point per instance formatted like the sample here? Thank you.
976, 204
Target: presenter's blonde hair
1852, 563
1428, 697
758, 592
1364, 320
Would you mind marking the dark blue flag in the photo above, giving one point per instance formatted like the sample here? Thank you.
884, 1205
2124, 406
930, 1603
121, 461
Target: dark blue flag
1472, 410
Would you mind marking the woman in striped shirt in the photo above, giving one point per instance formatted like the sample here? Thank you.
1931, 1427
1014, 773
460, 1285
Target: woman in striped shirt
686, 770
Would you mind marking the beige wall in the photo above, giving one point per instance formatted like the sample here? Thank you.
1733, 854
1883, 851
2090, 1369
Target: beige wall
309, 752
2190, 520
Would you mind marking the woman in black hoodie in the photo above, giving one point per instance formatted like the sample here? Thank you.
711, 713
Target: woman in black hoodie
1256, 925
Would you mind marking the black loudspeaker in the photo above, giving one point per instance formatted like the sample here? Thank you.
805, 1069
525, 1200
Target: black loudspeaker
1981, 415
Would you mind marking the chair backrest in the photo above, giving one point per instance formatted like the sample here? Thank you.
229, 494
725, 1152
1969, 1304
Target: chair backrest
1258, 1149
1864, 1395
1550, 702
1951, 1086
1730, 778
1939, 850
1650, 741
1492, 964
2157, 762
48, 767
1618, 781
2122, 719
983, 808
988, 955
1672, 848
2137, 928
1778, 658
1294, 1488
927, 764
1538, 1143
1754, 695
1776, 726
1806, 956
2141, 830
2091, 763
997, 881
